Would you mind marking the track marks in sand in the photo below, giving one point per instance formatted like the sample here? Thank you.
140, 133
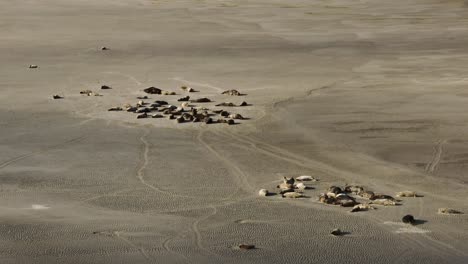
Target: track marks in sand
144, 164
207, 85
21, 157
140, 249
284, 155
432, 166
242, 177
196, 230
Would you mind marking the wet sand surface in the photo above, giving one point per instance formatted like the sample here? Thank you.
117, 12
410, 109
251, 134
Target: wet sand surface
370, 93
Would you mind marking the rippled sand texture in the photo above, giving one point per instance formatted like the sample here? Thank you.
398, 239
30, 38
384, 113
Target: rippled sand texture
363, 92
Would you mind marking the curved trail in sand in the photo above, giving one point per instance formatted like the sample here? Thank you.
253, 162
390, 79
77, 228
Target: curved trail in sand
432, 166
142, 251
141, 169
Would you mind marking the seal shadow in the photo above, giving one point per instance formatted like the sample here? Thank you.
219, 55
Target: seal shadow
419, 222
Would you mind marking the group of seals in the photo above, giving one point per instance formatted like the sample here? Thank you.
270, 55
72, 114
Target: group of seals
172, 112
288, 188
343, 197
180, 114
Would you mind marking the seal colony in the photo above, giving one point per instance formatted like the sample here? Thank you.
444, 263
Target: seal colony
355, 197
188, 111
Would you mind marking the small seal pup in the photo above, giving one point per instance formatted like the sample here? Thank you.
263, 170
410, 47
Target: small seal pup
187, 89
384, 202
305, 178
353, 189
117, 108
184, 99
292, 195
263, 192
144, 115
287, 185
366, 194
226, 104
201, 100
362, 207
232, 92
56, 96
406, 194
334, 189
235, 116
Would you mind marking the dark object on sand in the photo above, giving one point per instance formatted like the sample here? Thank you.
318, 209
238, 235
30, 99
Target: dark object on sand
243, 104
336, 232
335, 189
152, 90
32, 66
230, 122
187, 89
56, 96
184, 99
408, 219
142, 97
224, 113
246, 246
88, 92
115, 109
226, 104
144, 115
104, 48
208, 120
201, 100
161, 102
105, 87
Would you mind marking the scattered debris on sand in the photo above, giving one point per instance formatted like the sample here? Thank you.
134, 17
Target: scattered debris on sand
448, 211
152, 90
